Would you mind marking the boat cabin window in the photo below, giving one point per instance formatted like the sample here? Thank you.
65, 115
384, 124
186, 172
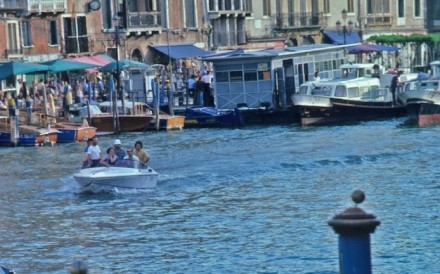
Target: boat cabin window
365, 92
353, 92
303, 89
376, 92
429, 85
321, 90
340, 91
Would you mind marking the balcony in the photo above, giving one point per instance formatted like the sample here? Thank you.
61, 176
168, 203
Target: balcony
144, 20
378, 20
46, 6
12, 5
290, 21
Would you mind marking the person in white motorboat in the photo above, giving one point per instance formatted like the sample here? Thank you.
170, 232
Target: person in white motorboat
94, 158
111, 157
119, 151
142, 154
133, 159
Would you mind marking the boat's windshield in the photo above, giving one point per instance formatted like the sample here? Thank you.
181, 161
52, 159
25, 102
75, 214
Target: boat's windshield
129, 163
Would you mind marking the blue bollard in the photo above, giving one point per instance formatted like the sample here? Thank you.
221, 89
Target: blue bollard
354, 227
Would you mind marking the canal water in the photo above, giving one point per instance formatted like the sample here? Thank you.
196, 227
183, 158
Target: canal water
249, 200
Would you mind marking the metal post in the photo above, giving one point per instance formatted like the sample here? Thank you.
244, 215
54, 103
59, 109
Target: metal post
170, 73
344, 31
116, 124
354, 227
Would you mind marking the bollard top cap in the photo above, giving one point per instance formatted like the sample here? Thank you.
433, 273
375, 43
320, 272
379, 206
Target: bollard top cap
354, 220
358, 196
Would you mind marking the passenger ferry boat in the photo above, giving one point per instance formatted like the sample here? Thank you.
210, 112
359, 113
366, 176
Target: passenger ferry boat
357, 95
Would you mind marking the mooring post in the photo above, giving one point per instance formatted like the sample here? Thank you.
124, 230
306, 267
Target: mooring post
78, 267
354, 227
13, 121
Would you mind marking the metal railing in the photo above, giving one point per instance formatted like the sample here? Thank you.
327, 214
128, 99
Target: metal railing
144, 19
378, 20
299, 20
12, 5
40, 6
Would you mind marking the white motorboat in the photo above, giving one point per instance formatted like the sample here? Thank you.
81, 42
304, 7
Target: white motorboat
98, 179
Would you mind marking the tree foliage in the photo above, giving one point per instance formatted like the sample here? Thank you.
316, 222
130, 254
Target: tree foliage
429, 39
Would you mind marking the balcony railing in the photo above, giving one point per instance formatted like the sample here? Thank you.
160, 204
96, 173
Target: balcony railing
46, 6
299, 20
12, 5
144, 20
378, 20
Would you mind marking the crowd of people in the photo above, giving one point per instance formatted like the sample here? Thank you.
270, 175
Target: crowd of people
134, 157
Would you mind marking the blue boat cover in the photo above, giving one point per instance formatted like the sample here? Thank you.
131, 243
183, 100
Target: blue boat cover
338, 37
181, 51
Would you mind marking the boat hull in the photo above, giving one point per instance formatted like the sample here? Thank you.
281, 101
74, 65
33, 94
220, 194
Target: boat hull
422, 107
343, 110
211, 117
127, 122
169, 122
71, 132
423, 114
107, 178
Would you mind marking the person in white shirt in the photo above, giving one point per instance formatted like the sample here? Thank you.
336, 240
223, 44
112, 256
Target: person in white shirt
133, 160
94, 158
206, 79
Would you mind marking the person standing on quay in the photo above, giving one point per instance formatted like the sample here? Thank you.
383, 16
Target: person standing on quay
394, 86
207, 78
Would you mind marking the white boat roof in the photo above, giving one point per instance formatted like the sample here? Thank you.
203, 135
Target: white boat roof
357, 66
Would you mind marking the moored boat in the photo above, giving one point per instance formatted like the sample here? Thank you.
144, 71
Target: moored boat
344, 99
104, 122
120, 176
422, 98
212, 117
71, 132
422, 102
43, 135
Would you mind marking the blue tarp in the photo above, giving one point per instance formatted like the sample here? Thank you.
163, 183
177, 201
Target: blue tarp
181, 51
338, 37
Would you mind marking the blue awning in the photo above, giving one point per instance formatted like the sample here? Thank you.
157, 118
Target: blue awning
181, 51
338, 37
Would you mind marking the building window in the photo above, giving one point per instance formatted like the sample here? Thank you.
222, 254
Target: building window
326, 6
13, 41
107, 12
53, 31
190, 14
378, 7
26, 34
266, 7
75, 33
350, 6
417, 12
400, 8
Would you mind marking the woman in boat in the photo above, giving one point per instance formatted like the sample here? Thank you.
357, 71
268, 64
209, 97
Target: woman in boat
111, 157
